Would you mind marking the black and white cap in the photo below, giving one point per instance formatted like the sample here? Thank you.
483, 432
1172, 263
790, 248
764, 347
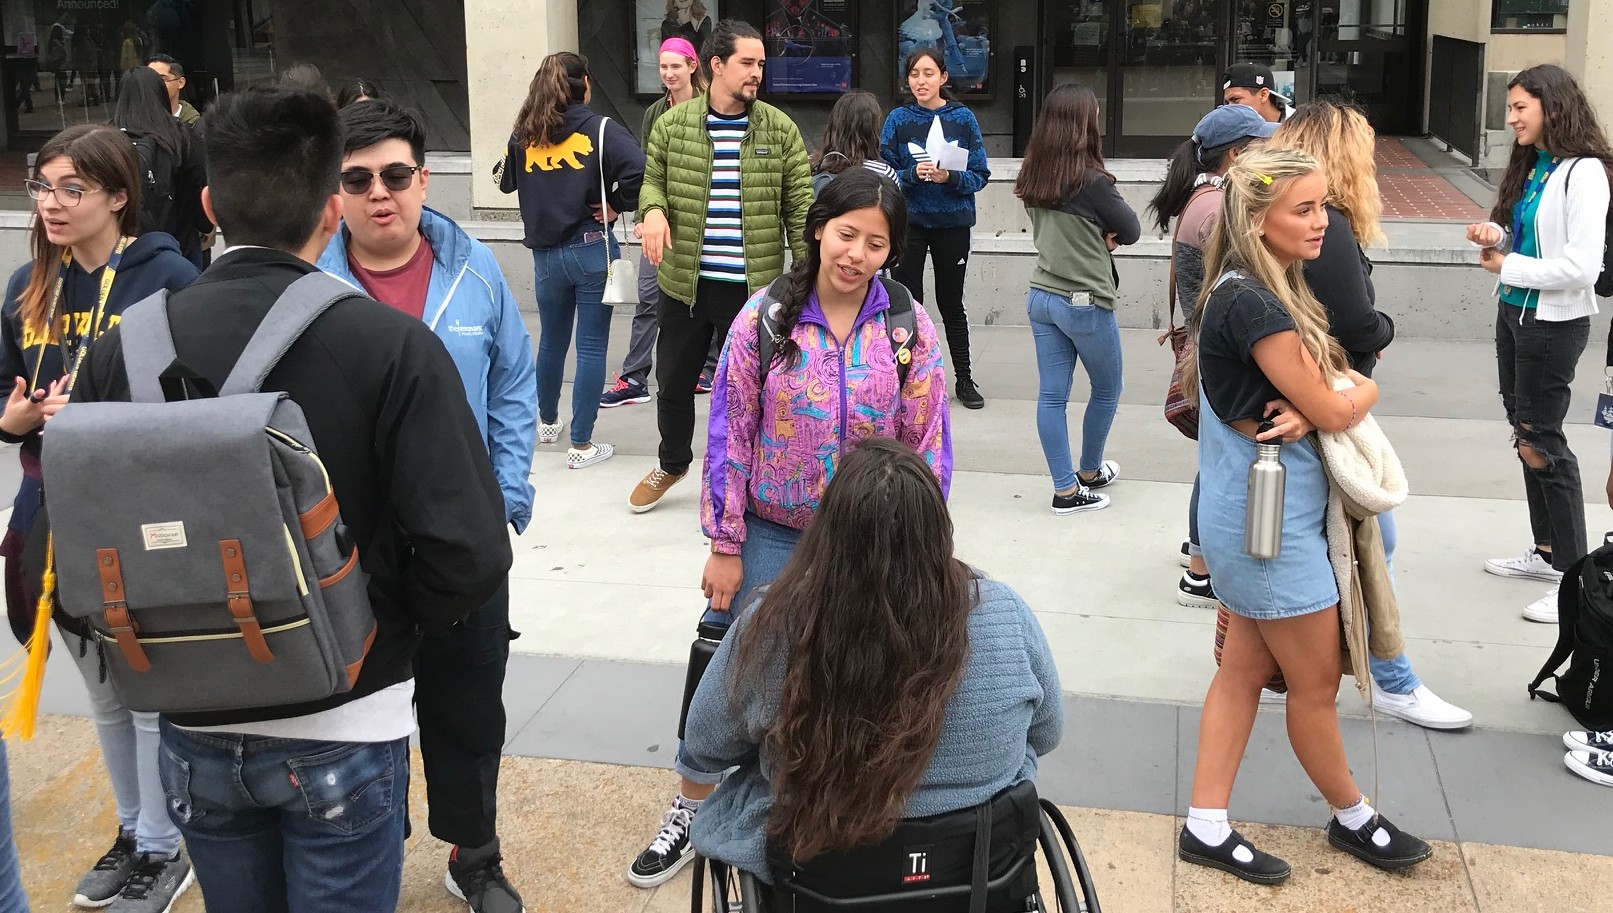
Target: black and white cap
1252, 76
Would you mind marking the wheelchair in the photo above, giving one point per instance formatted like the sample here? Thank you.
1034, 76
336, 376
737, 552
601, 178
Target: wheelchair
977, 860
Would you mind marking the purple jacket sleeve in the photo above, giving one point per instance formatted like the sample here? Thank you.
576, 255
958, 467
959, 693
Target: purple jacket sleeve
731, 437
923, 421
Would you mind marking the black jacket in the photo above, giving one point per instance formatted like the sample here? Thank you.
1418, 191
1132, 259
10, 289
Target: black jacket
1341, 278
388, 412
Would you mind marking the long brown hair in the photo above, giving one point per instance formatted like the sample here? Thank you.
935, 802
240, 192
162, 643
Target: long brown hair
101, 155
559, 83
1569, 129
870, 621
1065, 152
852, 134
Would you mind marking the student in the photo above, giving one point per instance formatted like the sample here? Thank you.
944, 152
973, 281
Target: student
410, 469
965, 696
88, 266
557, 165
1191, 194
850, 139
418, 261
173, 77
1264, 352
1340, 277
1254, 86
779, 431
1544, 242
1077, 218
684, 80
942, 202
172, 160
354, 91
717, 216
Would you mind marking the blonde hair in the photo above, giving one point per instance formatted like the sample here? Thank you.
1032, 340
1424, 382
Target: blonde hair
1343, 142
1254, 184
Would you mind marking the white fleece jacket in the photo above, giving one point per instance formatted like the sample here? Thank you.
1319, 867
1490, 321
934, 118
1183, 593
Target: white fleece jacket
1570, 227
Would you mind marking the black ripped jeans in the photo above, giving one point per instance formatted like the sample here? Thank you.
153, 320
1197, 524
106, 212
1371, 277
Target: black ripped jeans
1536, 361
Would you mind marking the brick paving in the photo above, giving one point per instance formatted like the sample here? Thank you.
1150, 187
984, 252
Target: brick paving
1414, 190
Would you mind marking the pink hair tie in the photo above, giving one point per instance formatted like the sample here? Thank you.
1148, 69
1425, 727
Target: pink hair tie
677, 44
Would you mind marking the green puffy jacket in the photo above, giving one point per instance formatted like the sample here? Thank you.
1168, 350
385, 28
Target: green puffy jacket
775, 191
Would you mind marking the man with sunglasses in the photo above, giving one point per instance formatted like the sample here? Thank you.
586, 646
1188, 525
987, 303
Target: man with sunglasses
418, 261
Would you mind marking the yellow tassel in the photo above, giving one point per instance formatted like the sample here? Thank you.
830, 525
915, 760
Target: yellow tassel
22, 705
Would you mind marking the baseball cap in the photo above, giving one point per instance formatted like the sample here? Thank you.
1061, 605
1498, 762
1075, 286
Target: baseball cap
1228, 124
1251, 76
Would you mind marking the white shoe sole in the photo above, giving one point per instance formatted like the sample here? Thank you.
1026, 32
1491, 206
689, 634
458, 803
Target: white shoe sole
190, 879
601, 455
626, 402
639, 881
1595, 776
548, 438
1540, 617
1516, 574
79, 900
1188, 600
1424, 722
454, 891
1102, 502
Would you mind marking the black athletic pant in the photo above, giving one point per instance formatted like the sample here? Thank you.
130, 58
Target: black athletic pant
949, 247
680, 354
459, 703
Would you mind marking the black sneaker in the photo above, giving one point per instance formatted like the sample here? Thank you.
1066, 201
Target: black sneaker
969, 394
1262, 868
625, 393
1107, 474
1397, 849
667, 853
1079, 500
1196, 592
102, 884
477, 878
157, 882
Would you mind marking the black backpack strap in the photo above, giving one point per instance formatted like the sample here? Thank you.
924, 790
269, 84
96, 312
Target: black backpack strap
292, 313
982, 862
148, 346
900, 317
1574, 579
767, 332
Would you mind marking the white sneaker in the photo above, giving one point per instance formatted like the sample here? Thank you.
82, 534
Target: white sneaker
1528, 566
1268, 696
1423, 707
1595, 766
596, 453
548, 434
1544, 609
1579, 740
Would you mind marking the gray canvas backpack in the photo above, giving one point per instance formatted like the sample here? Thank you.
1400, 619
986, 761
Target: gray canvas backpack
200, 539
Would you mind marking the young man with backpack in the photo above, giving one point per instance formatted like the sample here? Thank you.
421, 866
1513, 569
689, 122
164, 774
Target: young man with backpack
320, 821
418, 261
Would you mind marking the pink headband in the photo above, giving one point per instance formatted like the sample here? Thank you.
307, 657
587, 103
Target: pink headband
679, 45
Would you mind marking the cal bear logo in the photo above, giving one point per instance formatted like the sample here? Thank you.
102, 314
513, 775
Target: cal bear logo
569, 152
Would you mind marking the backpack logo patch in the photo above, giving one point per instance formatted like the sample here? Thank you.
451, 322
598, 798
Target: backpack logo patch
918, 866
163, 535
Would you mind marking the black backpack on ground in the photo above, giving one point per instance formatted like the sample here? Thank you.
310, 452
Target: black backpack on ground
158, 168
1585, 641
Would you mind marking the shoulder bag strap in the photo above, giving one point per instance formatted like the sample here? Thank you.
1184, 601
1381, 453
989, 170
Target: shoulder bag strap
604, 204
292, 313
148, 346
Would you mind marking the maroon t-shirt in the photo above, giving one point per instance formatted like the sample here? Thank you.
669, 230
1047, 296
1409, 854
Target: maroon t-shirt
403, 288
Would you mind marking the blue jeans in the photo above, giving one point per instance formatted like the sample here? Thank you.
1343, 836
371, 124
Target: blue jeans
1392, 675
570, 285
1065, 334
12, 898
766, 549
277, 825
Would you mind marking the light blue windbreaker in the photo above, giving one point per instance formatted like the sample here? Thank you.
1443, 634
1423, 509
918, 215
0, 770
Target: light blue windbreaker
471, 309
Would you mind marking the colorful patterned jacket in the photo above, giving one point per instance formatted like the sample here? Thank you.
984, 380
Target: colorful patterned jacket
776, 462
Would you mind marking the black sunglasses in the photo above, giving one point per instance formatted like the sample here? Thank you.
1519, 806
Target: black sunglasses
396, 177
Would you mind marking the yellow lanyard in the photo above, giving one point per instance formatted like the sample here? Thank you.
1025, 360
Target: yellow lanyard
94, 330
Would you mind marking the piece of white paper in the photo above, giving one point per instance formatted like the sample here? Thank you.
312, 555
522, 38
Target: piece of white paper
944, 153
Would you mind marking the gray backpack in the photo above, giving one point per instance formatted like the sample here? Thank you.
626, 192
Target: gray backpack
200, 539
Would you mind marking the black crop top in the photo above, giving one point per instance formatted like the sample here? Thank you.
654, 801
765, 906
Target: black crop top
1239, 313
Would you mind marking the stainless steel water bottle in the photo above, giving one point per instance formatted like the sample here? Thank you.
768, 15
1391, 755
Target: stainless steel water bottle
1263, 517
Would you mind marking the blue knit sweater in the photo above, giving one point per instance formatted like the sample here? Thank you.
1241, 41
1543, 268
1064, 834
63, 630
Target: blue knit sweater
1007, 711
906, 134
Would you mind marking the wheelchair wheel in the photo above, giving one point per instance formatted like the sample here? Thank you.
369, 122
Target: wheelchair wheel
1066, 863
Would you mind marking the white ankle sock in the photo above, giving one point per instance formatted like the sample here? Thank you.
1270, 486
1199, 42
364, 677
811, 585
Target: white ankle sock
1209, 825
692, 805
1355, 816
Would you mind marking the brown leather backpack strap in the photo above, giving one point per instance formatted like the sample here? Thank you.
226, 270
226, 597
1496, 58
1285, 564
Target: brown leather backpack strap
239, 600
115, 611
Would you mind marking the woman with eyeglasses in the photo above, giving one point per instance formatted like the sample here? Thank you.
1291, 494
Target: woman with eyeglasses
172, 159
560, 158
89, 263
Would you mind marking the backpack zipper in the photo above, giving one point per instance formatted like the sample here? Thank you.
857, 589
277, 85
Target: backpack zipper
199, 638
298, 446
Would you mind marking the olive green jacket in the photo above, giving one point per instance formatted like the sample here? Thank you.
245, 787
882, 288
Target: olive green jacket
775, 182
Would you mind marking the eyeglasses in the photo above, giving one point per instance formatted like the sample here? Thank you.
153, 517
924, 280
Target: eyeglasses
396, 177
67, 196
170, 77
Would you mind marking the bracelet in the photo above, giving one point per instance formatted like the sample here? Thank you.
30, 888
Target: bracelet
1353, 413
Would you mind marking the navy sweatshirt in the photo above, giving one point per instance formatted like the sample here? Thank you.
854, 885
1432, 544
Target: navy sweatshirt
902, 143
558, 184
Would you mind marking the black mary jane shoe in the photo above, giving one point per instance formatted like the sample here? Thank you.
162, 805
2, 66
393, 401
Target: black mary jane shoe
1264, 868
1400, 852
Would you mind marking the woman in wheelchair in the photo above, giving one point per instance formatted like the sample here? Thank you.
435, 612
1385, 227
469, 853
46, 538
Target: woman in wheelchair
877, 680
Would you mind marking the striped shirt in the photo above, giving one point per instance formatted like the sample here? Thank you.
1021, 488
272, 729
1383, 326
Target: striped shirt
722, 252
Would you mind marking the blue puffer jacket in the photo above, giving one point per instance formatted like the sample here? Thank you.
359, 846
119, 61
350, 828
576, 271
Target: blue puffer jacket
473, 312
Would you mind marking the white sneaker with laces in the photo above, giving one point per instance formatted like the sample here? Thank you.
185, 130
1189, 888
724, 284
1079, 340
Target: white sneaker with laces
1544, 609
548, 434
595, 453
1595, 766
1528, 566
1579, 740
1423, 707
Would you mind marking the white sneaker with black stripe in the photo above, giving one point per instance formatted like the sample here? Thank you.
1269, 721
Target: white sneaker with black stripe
1595, 766
668, 852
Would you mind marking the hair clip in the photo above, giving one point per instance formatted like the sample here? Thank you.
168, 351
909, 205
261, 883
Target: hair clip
1264, 179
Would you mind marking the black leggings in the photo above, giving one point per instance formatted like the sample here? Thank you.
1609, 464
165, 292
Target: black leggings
950, 249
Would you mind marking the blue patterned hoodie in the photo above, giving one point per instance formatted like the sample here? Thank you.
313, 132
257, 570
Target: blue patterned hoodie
902, 143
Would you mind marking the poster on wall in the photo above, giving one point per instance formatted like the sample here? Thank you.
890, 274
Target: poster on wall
809, 46
960, 29
658, 20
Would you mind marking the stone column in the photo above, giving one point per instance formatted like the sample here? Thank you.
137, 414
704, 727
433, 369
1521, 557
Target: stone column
505, 40
1587, 59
